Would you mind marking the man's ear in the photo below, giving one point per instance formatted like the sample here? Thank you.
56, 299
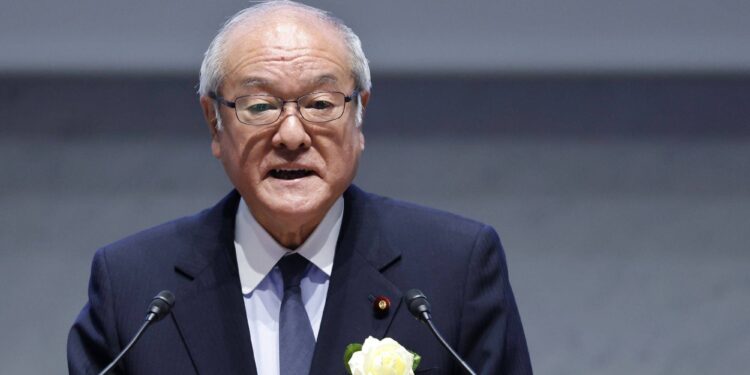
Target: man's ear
210, 115
364, 98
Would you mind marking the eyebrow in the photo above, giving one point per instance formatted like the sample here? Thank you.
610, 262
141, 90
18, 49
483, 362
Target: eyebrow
260, 82
325, 78
255, 82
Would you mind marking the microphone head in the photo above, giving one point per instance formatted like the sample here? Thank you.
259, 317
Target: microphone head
417, 303
160, 305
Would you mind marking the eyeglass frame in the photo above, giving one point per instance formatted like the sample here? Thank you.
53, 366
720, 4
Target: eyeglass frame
233, 104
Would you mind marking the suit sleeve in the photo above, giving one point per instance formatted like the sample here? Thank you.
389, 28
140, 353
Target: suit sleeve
92, 341
492, 338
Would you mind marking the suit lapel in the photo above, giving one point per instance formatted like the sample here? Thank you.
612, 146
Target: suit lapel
356, 279
209, 310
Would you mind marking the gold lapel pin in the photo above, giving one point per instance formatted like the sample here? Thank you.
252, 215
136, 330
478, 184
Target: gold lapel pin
381, 305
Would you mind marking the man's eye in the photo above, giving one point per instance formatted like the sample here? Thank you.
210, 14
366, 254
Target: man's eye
259, 107
320, 104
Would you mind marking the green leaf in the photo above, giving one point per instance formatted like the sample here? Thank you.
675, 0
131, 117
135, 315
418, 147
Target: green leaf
348, 353
417, 359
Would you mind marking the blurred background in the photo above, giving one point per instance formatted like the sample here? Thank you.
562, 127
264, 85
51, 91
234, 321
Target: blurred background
607, 142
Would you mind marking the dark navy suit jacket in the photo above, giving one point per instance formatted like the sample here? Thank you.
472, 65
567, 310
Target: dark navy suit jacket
385, 248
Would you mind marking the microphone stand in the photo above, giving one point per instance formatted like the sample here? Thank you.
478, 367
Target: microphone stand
427, 320
130, 345
159, 308
417, 303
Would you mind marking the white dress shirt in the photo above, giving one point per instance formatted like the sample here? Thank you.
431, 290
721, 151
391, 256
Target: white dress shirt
263, 288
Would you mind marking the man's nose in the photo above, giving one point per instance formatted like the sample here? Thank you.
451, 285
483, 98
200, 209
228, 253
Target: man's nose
291, 134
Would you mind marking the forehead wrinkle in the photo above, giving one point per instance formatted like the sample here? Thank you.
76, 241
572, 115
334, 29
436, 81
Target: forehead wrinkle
272, 52
275, 58
321, 79
298, 55
272, 72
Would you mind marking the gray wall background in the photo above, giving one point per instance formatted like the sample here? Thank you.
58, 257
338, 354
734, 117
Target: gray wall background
414, 36
608, 143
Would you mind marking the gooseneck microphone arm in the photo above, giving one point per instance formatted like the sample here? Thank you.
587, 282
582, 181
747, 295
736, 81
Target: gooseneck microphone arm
159, 308
127, 347
420, 308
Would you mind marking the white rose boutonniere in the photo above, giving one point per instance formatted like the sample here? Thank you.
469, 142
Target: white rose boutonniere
380, 357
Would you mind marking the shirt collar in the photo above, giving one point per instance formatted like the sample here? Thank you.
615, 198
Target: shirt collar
257, 252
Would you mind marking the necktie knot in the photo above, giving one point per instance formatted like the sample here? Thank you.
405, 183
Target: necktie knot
293, 268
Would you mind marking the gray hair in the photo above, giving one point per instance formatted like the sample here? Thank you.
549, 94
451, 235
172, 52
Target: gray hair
212, 68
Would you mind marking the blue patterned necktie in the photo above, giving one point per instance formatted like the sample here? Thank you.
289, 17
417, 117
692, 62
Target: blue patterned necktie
296, 338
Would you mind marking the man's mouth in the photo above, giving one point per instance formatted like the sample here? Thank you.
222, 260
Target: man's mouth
290, 174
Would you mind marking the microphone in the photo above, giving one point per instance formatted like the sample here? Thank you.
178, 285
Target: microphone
157, 309
418, 306
160, 305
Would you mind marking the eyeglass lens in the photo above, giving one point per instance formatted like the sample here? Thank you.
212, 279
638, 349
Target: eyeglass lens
313, 107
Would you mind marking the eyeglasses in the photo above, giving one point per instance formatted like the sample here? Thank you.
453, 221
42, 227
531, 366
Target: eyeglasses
317, 107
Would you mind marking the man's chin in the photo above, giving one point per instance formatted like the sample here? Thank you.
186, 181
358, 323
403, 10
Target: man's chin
296, 191
295, 199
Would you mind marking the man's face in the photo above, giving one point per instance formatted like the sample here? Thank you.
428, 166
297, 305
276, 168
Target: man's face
291, 171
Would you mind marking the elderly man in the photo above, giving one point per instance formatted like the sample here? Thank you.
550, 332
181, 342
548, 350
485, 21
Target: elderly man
296, 263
